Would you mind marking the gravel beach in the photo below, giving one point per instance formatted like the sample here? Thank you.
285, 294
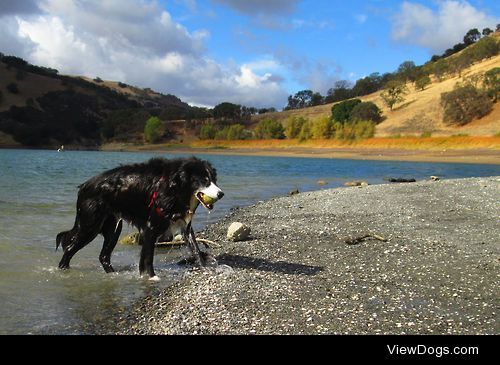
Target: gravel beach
438, 272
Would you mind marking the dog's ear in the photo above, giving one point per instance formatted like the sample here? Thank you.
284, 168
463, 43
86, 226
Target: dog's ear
177, 179
212, 170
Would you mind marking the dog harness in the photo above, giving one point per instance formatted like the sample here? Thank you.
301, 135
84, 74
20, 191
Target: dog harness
158, 210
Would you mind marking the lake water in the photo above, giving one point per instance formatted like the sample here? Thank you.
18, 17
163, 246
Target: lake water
38, 192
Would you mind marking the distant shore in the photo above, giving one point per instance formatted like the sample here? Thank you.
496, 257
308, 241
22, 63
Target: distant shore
477, 150
452, 155
437, 272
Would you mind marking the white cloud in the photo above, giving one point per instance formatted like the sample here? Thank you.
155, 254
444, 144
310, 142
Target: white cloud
137, 42
441, 29
11, 43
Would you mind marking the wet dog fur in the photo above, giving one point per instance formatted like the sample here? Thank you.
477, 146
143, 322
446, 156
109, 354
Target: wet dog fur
158, 197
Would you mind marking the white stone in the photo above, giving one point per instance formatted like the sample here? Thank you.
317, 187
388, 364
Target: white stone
238, 232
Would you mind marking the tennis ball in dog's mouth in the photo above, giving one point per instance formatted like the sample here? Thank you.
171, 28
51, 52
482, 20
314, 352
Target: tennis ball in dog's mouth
208, 200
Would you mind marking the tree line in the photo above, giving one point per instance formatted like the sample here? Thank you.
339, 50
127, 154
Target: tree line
477, 46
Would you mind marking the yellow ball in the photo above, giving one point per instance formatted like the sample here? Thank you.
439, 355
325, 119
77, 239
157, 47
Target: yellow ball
208, 200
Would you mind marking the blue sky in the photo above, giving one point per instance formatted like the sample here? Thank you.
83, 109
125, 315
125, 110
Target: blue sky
251, 52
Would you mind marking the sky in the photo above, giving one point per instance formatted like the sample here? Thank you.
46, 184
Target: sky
250, 52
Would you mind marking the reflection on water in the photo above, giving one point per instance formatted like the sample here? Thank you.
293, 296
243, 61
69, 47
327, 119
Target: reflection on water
37, 200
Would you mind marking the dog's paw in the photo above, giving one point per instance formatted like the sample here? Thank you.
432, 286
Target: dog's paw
209, 260
155, 278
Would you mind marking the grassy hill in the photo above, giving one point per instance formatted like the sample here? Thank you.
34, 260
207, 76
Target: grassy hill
421, 111
41, 108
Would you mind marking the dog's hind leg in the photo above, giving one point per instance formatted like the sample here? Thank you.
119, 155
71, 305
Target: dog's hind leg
88, 224
111, 232
77, 241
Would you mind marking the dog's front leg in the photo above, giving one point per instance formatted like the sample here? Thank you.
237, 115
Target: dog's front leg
201, 258
148, 239
193, 245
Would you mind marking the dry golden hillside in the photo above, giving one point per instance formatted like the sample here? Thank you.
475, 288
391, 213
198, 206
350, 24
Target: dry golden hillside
31, 86
420, 112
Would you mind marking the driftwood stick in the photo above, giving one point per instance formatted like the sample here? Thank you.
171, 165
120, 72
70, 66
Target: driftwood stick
207, 243
357, 240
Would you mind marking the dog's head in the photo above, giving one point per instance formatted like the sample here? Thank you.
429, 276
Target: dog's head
199, 177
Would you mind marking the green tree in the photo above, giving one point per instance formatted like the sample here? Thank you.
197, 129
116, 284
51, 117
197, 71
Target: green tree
301, 99
342, 90
368, 85
423, 82
491, 83
366, 111
227, 111
487, 32
408, 71
441, 68
394, 93
472, 36
152, 130
464, 104
316, 99
341, 112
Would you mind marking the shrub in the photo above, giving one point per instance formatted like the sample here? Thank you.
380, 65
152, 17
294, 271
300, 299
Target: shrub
235, 132
322, 128
357, 130
295, 126
152, 130
12, 87
269, 129
222, 134
464, 104
208, 131
305, 132
485, 48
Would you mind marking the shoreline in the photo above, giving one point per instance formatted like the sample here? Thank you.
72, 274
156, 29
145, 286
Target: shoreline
473, 156
436, 274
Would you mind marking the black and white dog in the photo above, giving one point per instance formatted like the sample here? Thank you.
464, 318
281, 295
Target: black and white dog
158, 197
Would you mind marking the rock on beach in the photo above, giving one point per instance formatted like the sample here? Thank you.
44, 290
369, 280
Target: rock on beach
436, 274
